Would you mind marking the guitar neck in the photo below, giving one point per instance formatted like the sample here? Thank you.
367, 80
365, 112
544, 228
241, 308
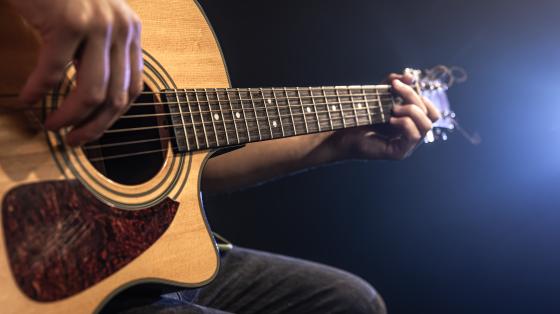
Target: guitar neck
214, 118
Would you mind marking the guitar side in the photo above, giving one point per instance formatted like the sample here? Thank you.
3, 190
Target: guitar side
178, 37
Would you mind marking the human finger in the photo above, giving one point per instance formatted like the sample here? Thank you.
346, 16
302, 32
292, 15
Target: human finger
117, 99
433, 112
92, 80
136, 60
409, 95
421, 120
94, 127
407, 128
56, 53
406, 78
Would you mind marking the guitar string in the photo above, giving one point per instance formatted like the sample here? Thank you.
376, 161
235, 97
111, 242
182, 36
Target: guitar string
210, 145
256, 118
301, 106
214, 121
276, 98
228, 110
265, 108
235, 90
253, 101
234, 131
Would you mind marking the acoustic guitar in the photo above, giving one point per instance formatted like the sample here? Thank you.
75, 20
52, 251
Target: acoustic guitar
80, 224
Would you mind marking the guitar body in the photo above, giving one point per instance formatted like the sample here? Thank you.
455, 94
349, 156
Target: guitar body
73, 236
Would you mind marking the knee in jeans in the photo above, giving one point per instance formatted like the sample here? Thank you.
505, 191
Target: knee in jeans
355, 295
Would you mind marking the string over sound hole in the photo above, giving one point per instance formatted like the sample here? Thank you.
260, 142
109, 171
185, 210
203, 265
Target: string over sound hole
133, 150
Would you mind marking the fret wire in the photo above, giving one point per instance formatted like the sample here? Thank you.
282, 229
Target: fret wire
341, 110
290, 108
256, 115
354, 107
302, 110
233, 117
192, 120
182, 119
367, 108
381, 106
202, 119
393, 102
266, 113
212, 117
315, 106
258, 120
328, 108
244, 116
279, 114
222, 115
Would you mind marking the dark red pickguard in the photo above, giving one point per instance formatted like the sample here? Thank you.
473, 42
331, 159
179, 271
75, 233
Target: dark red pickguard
60, 239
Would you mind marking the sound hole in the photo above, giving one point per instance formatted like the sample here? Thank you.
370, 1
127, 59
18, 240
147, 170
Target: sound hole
136, 151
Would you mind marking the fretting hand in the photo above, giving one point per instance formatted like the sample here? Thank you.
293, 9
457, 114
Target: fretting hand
259, 162
102, 37
409, 123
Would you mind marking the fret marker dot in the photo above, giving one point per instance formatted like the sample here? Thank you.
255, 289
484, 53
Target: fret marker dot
309, 109
359, 106
274, 124
269, 101
333, 108
238, 115
216, 117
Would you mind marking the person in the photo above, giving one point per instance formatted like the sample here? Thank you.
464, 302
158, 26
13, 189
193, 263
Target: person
103, 37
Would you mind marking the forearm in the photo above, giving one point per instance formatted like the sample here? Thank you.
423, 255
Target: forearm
258, 162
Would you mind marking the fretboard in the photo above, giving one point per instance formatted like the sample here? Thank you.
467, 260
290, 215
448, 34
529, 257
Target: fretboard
213, 118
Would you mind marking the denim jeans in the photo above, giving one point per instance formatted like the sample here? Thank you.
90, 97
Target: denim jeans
251, 281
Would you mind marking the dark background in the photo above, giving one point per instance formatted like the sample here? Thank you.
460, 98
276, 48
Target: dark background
456, 228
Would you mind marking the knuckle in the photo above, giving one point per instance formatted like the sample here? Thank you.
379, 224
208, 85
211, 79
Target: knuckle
94, 98
102, 23
406, 110
122, 26
417, 111
119, 102
79, 23
408, 123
